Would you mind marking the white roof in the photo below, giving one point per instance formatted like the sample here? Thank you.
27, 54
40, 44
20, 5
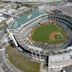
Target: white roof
70, 47
22, 7
2, 10
1, 14
34, 48
60, 57
0, 20
10, 11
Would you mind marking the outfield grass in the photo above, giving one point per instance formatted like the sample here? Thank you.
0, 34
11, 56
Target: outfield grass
20, 61
41, 34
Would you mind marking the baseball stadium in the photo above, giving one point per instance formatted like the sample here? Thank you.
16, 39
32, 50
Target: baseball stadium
40, 35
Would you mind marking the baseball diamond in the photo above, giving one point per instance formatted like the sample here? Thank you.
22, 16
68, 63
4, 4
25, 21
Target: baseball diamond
50, 34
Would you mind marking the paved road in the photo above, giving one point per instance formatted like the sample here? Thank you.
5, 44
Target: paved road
3, 64
68, 68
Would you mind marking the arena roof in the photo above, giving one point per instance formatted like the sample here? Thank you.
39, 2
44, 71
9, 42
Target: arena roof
34, 48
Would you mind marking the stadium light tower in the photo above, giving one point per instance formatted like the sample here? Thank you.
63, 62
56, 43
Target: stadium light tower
47, 63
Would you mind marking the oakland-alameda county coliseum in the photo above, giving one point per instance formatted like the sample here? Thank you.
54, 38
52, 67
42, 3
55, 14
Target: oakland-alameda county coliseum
41, 35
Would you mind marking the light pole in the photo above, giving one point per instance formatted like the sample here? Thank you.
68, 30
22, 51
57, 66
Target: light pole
47, 63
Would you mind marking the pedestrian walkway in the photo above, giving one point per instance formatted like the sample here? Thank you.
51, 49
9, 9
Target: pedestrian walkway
42, 69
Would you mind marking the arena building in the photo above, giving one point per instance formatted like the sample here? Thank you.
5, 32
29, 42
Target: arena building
44, 37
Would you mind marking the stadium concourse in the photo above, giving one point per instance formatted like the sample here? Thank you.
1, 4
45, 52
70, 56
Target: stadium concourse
59, 55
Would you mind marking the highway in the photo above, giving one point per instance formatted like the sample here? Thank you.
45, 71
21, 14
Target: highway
68, 68
3, 65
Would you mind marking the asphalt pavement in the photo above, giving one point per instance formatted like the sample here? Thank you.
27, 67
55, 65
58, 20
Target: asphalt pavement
68, 68
3, 66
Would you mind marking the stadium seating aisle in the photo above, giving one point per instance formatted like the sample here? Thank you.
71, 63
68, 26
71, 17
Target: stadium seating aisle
23, 19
